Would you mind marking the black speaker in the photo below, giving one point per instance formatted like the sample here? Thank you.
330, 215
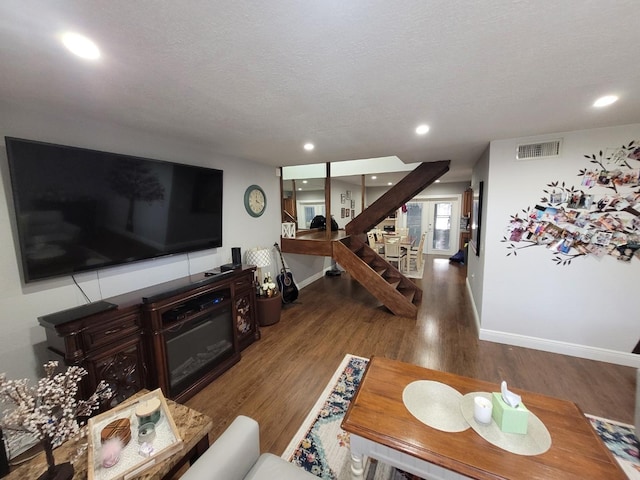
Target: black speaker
236, 257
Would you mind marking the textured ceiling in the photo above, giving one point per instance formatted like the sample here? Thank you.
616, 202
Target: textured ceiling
257, 79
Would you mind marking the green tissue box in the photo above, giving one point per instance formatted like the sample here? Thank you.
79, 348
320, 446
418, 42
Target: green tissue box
509, 419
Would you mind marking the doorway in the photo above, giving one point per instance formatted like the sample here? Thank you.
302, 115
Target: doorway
439, 219
442, 226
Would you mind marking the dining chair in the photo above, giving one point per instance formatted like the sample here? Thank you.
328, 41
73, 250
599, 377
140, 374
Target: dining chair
394, 253
373, 243
415, 254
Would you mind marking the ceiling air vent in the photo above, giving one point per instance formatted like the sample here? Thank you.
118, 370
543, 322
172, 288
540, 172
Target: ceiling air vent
539, 150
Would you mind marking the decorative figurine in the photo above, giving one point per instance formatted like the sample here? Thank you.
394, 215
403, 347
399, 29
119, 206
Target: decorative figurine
110, 452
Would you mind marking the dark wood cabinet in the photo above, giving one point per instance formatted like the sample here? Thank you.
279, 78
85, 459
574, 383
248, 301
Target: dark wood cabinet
177, 336
465, 220
245, 312
122, 366
467, 202
108, 344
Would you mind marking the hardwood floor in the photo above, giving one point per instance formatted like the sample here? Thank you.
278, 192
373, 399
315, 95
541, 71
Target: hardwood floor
281, 376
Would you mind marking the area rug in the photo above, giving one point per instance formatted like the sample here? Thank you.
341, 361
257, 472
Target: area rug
321, 447
621, 440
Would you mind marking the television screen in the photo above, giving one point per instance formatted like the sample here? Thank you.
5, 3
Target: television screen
79, 209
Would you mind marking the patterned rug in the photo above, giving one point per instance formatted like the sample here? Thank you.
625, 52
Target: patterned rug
321, 447
621, 440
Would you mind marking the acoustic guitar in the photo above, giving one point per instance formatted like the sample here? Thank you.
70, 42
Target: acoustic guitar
285, 281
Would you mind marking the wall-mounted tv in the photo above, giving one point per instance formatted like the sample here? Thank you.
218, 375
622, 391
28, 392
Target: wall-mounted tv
78, 209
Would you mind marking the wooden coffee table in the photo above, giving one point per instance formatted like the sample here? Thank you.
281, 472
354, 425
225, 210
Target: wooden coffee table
381, 427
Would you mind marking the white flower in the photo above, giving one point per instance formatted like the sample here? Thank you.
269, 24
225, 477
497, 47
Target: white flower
49, 410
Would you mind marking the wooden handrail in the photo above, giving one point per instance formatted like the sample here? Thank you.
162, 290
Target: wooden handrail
403, 191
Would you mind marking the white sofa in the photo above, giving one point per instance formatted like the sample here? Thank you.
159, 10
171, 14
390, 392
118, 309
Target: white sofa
235, 455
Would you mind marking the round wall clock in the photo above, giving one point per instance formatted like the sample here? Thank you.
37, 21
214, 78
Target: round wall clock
255, 201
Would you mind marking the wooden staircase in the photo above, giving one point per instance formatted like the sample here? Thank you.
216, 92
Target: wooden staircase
417, 180
397, 292
385, 282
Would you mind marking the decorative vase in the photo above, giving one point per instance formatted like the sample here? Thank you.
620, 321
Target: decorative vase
63, 471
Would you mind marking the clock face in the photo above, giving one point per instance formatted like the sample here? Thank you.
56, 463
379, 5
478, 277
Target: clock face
255, 201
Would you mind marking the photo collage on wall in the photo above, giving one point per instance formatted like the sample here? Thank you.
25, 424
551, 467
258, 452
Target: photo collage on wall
599, 217
347, 212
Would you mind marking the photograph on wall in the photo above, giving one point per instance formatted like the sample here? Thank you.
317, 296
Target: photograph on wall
596, 250
625, 253
549, 214
601, 217
590, 178
342, 214
580, 201
558, 197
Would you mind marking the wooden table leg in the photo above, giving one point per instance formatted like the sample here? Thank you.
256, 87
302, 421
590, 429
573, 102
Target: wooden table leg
357, 466
199, 449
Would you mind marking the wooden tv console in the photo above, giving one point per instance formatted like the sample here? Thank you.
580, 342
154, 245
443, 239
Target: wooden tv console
124, 339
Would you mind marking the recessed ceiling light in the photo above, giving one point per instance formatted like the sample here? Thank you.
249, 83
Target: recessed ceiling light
299, 188
422, 129
309, 146
81, 45
437, 181
605, 101
305, 181
389, 183
373, 177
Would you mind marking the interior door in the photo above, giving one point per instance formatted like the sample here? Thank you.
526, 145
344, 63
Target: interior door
442, 222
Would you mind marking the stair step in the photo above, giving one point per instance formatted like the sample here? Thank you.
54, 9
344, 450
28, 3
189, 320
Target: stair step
372, 261
368, 258
409, 294
396, 291
391, 275
394, 284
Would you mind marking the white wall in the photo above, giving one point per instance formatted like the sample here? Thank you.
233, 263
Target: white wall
587, 308
22, 348
443, 189
475, 257
308, 268
339, 187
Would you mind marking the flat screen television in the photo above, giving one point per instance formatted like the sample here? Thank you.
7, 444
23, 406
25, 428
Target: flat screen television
78, 209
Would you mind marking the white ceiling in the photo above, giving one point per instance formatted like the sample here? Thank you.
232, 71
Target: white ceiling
257, 79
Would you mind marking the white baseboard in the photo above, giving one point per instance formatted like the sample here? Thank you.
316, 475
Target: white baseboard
311, 279
554, 346
476, 317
